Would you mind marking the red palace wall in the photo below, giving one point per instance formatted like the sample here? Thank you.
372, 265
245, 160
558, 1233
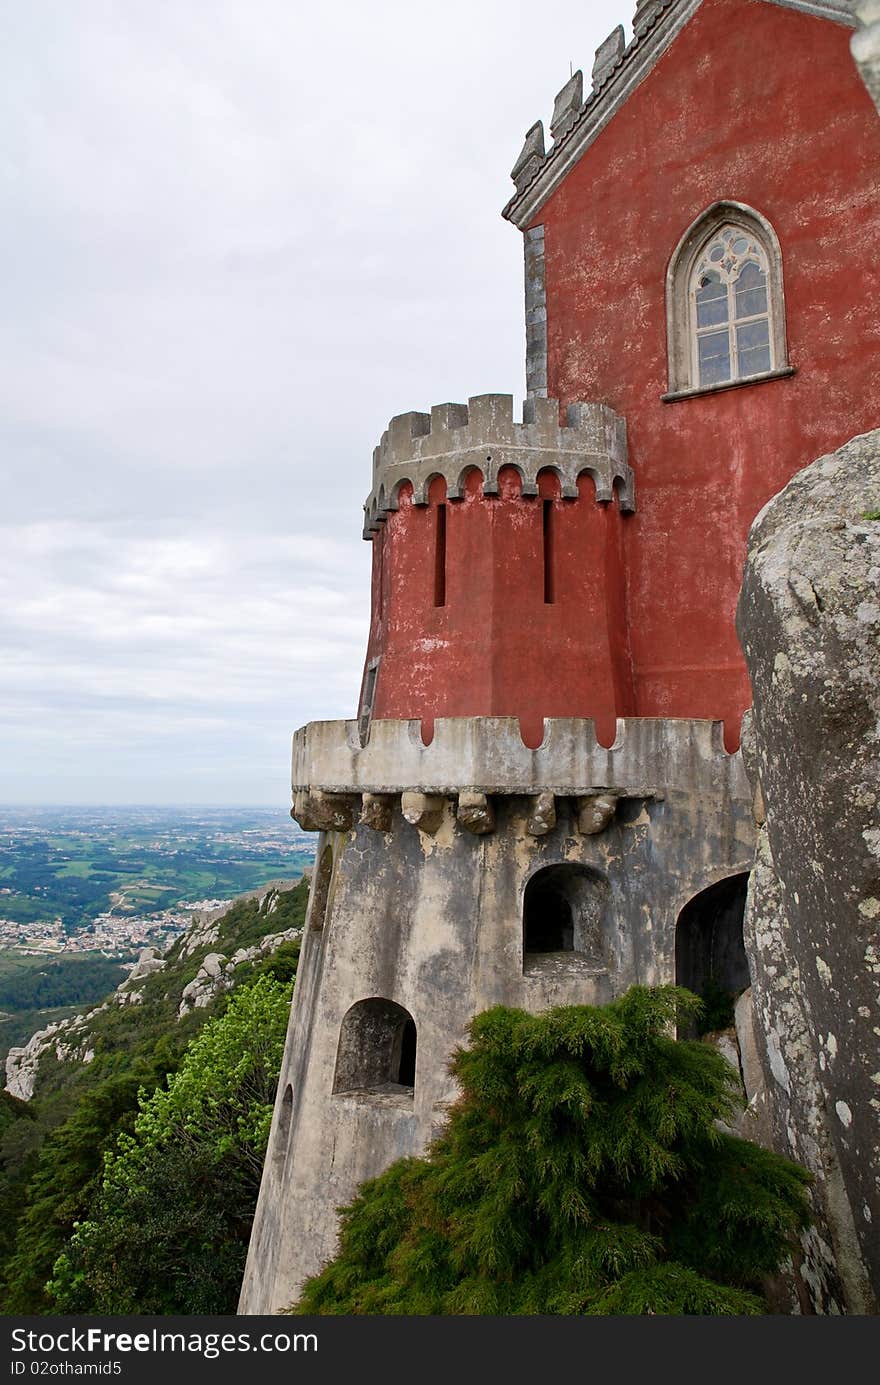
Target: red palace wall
753, 103
758, 104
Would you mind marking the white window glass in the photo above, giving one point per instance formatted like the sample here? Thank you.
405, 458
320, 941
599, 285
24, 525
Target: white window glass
730, 309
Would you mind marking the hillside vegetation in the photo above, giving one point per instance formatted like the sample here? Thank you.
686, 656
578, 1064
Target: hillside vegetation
35, 990
53, 1148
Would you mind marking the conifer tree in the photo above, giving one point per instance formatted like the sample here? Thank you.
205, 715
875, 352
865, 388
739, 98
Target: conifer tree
582, 1171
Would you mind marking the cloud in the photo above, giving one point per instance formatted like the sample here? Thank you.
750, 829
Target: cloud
237, 238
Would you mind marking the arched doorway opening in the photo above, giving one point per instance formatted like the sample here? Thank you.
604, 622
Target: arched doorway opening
710, 957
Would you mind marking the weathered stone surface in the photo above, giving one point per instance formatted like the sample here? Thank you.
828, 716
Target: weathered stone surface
595, 813
435, 924
376, 810
609, 55
423, 810
66, 1039
567, 105
530, 157
450, 440
208, 980
475, 812
488, 754
317, 811
149, 961
542, 818
809, 623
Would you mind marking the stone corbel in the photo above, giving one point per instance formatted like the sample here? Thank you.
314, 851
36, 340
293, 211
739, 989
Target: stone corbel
475, 812
376, 810
316, 811
594, 812
542, 818
423, 810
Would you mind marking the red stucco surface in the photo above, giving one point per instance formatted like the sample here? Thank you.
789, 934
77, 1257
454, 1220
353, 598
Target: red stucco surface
497, 647
753, 103
758, 104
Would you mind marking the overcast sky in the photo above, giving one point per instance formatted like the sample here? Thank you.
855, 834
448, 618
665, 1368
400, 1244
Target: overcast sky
238, 236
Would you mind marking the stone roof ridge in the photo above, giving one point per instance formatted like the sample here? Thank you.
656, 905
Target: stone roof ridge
618, 68
455, 438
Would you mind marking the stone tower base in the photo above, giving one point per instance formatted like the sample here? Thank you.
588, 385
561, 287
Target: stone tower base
456, 876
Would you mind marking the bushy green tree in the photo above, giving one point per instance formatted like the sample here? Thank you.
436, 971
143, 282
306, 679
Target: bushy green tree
67, 1172
582, 1172
168, 1230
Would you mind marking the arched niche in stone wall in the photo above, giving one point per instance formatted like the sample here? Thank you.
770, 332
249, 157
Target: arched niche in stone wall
321, 890
566, 918
377, 1049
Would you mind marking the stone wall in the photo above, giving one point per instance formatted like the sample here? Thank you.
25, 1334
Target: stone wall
418, 899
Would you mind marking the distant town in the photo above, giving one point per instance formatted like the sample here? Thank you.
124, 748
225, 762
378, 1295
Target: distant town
114, 934
112, 880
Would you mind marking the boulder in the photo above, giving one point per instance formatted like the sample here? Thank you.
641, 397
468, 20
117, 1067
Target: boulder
809, 625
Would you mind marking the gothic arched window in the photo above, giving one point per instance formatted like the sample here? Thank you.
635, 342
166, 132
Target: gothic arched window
725, 303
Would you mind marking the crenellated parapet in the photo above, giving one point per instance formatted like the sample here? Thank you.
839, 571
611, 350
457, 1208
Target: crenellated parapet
454, 439
336, 779
618, 68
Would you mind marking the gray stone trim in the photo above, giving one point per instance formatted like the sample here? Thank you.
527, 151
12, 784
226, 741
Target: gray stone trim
660, 23
675, 395
609, 56
865, 44
536, 313
486, 755
841, 11
454, 438
531, 156
368, 697
678, 312
567, 106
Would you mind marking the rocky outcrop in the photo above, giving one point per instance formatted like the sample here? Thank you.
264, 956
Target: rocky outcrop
809, 624
66, 1040
216, 974
149, 961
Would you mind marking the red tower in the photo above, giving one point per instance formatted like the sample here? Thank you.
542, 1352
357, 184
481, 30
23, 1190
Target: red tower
497, 566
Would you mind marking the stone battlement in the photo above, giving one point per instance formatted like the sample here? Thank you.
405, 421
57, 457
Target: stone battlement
454, 438
487, 754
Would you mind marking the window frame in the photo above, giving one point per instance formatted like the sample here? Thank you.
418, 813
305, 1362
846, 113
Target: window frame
681, 329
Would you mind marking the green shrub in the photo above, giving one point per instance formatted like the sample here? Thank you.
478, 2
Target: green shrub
168, 1229
582, 1172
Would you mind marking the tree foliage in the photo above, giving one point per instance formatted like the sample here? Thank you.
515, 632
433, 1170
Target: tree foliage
52, 1148
168, 1230
582, 1172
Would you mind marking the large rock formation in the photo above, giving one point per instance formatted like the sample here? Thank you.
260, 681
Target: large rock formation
809, 623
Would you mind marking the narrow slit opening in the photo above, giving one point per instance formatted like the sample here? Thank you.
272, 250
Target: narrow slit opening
440, 558
548, 527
